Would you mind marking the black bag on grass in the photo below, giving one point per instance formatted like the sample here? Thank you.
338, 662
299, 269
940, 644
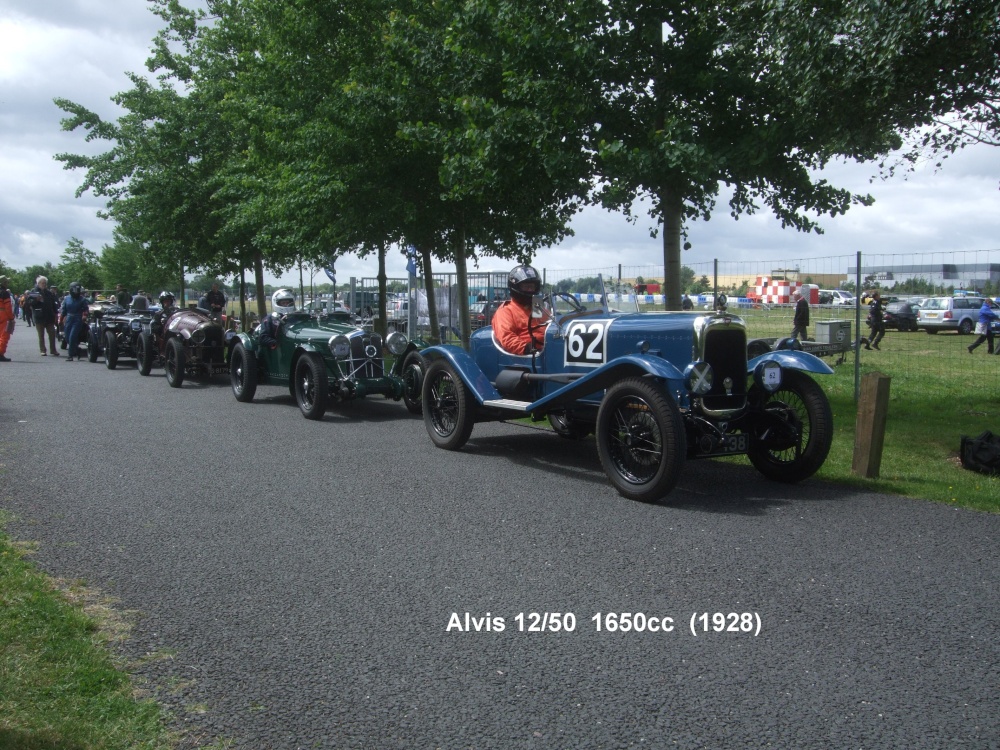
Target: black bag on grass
981, 453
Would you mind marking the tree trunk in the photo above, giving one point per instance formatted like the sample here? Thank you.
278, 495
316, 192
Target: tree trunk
258, 272
671, 217
462, 271
382, 324
434, 336
243, 298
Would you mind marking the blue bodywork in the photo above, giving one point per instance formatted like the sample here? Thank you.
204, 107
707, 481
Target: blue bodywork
620, 345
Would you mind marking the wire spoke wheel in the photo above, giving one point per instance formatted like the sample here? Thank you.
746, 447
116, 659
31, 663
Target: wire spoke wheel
794, 429
640, 439
448, 407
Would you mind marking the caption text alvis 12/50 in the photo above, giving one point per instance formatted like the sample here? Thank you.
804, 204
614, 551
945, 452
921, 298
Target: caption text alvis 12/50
699, 623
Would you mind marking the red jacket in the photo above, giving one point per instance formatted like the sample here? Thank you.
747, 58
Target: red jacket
6, 307
515, 329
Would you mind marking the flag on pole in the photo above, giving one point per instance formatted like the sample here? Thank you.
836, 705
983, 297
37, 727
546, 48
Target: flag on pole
411, 260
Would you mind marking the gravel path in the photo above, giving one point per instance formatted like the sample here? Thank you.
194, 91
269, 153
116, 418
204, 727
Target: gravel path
294, 581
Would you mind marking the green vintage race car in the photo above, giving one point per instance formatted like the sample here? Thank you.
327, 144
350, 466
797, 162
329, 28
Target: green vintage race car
326, 360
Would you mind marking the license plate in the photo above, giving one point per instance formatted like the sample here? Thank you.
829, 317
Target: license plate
734, 444
930, 315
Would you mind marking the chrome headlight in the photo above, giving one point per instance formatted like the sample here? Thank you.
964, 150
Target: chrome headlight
767, 375
198, 336
340, 346
396, 343
698, 378
136, 325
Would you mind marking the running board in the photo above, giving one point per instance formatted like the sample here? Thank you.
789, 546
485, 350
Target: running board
507, 403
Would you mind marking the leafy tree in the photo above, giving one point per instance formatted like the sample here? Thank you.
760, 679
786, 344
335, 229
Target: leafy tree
80, 264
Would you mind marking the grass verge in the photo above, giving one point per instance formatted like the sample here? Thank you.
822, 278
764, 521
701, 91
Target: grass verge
59, 686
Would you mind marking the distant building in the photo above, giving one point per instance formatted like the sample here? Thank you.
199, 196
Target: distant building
956, 275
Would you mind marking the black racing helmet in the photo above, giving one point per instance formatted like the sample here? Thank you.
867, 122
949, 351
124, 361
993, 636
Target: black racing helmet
166, 299
523, 282
75, 289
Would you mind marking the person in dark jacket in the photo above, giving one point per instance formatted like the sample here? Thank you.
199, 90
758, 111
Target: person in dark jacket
876, 322
215, 301
74, 308
801, 320
983, 327
43, 303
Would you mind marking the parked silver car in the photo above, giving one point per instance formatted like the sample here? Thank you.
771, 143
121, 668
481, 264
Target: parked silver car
958, 313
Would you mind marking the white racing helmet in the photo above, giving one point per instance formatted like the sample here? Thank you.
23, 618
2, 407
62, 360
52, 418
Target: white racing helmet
282, 302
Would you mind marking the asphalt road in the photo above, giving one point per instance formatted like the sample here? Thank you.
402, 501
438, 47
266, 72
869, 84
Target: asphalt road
294, 581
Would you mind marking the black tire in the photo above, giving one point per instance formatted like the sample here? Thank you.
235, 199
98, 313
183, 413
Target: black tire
243, 373
413, 381
145, 353
174, 362
110, 350
92, 351
795, 431
311, 386
641, 440
571, 429
448, 406
965, 327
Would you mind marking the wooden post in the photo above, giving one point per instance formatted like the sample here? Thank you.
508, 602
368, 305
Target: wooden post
869, 431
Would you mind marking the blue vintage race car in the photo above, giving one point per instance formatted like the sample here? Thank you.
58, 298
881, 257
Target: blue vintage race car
655, 387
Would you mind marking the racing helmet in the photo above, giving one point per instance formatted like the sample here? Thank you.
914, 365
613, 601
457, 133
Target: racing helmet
282, 302
75, 289
523, 282
166, 300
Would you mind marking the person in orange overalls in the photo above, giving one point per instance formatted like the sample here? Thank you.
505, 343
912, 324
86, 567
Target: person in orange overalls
514, 328
6, 317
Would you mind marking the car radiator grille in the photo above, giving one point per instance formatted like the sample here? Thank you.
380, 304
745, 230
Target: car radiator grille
726, 351
361, 366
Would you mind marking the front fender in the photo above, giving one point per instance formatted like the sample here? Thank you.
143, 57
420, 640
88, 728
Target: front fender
249, 343
417, 345
631, 365
467, 369
791, 359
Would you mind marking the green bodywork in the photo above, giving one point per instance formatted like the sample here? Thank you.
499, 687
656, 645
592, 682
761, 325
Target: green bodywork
359, 376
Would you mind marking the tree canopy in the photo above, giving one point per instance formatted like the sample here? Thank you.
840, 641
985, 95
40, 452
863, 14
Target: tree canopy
268, 134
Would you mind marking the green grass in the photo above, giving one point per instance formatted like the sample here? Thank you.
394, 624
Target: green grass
938, 392
60, 688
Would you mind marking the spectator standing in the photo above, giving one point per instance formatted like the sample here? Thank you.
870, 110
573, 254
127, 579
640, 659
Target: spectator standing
216, 300
123, 298
801, 320
74, 307
7, 317
983, 329
26, 308
44, 314
686, 303
876, 322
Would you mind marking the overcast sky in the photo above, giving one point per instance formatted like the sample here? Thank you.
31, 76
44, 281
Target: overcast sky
81, 50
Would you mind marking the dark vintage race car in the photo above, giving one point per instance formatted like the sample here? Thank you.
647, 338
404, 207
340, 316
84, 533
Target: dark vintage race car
115, 334
188, 342
656, 388
96, 311
325, 360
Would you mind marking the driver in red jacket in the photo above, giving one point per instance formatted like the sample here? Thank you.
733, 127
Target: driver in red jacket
513, 325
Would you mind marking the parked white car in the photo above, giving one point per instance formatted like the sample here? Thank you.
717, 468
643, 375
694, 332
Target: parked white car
838, 296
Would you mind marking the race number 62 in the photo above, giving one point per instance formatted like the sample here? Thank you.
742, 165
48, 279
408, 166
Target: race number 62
586, 343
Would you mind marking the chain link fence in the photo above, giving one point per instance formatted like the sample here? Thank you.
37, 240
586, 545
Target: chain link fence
838, 288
